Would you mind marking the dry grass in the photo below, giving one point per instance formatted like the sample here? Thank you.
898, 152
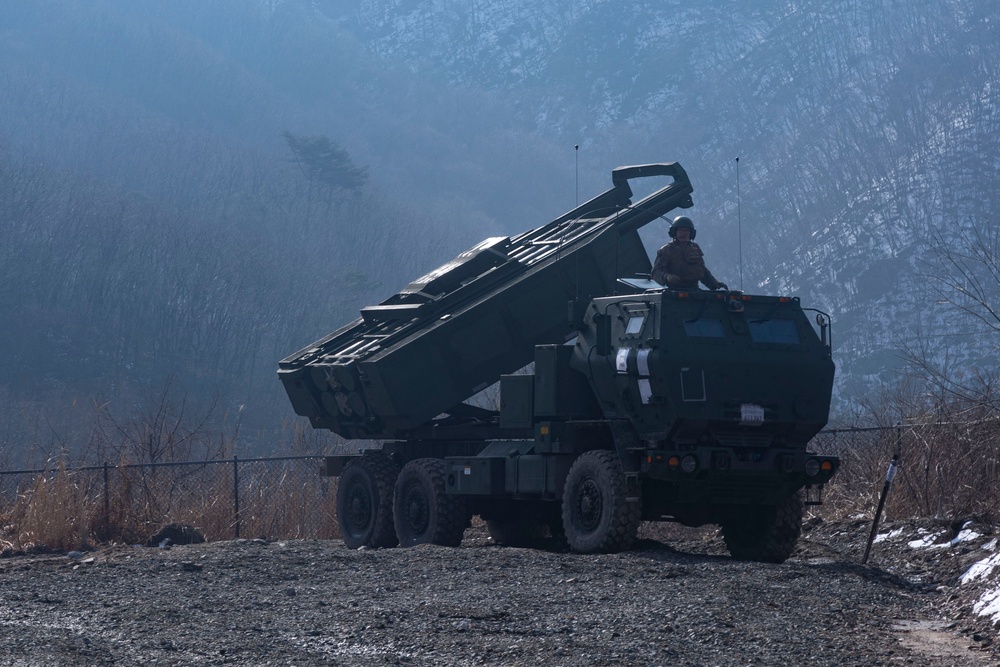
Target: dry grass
949, 467
64, 509
148, 487
51, 510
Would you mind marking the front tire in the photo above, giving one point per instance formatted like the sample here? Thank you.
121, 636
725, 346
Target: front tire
364, 502
423, 513
596, 516
766, 534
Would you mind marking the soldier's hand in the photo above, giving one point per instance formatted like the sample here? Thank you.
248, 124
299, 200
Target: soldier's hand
721, 285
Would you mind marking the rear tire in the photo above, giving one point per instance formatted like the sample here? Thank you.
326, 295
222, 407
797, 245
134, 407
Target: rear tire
364, 502
422, 512
595, 514
766, 534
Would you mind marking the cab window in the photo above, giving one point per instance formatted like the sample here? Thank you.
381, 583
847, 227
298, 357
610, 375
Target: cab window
774, 331
704, 328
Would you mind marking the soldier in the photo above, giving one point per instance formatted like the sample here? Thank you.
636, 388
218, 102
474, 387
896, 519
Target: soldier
681, 264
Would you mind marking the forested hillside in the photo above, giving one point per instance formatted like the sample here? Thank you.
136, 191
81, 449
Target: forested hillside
862, 128
156, 226
159, 219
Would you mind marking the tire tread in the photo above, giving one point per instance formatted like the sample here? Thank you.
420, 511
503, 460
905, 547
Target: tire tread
449, 513
623, 525
383, 472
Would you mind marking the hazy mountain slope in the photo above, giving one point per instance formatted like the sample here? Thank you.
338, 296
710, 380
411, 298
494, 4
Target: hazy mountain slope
89, 83
860, 126
152, 223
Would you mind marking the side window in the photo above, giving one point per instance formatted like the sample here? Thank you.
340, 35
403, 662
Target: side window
634, 326
637, 316
704, 328
774, 331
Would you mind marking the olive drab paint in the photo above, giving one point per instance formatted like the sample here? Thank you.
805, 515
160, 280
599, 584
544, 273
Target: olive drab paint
619, 400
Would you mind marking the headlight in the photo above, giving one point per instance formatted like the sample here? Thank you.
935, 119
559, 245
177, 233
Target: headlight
689, 464
812, 467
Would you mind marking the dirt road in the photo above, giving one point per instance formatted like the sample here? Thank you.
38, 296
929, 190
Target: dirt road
675, 602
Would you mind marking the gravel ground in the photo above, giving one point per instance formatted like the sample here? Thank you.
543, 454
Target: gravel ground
677, 599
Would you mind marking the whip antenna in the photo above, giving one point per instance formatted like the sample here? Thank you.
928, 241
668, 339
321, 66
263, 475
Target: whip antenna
739, 220
576, 147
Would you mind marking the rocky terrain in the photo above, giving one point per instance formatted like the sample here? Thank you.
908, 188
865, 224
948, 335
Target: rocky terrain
678, 599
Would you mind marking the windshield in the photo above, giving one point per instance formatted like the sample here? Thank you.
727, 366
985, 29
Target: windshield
704, 328
774, 331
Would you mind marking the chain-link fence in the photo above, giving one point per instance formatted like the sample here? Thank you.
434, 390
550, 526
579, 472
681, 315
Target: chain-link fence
947, 469
63, 507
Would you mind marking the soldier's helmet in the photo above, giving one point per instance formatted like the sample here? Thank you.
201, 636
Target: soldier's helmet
682, 221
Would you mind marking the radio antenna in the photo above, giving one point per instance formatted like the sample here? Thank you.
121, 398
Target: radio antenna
739, 220
576, 148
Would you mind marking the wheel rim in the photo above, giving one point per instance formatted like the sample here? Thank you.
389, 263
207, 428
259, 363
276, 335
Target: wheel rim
416, 510
589, 505
359, 509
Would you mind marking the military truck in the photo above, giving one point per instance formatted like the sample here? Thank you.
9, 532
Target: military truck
619, 400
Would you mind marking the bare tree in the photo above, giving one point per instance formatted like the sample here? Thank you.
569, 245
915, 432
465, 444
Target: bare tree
963, 268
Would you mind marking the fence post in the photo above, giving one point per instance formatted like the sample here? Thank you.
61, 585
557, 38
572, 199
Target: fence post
881, 504
236, 494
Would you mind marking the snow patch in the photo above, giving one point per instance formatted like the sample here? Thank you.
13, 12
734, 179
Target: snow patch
927, 541
989, 605
965, 535
892, 534
981, 569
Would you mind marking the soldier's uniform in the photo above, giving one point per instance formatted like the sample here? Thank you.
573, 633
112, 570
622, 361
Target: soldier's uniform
686, 261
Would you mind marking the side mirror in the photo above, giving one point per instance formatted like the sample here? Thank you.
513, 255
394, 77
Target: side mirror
823, 322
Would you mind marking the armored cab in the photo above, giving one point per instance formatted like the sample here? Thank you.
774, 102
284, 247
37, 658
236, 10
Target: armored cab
641, 402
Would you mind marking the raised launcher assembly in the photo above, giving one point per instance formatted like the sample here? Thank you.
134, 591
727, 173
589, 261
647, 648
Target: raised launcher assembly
644, 403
